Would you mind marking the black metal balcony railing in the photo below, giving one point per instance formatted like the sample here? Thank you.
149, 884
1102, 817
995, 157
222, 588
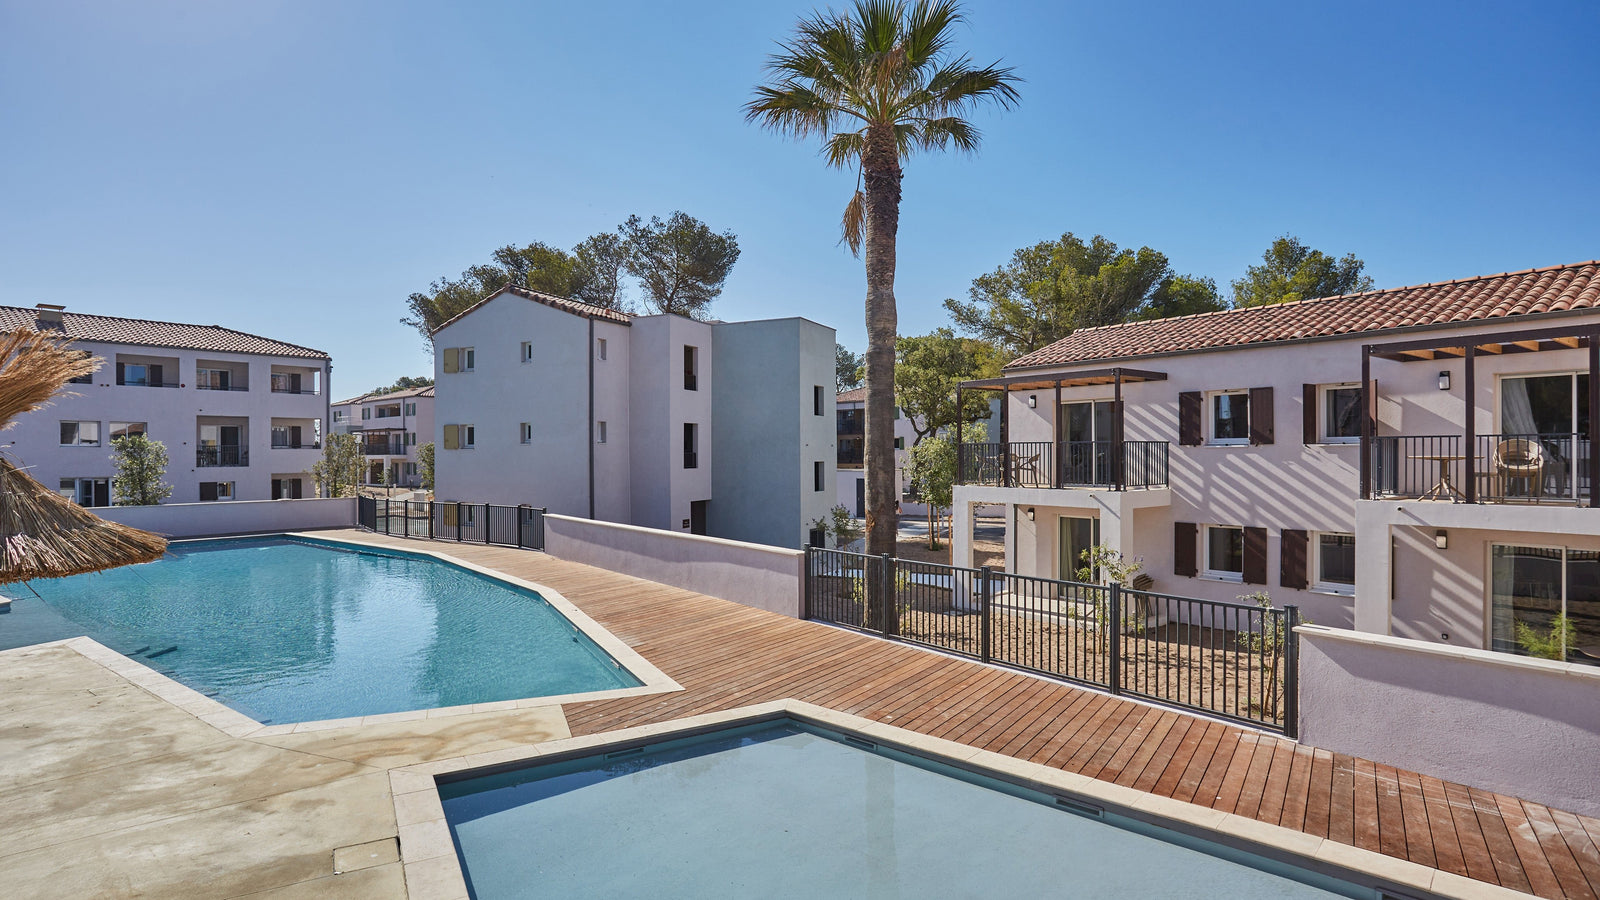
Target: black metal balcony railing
1506, 468
281, 384
154, 384
1062, 464
384, 448
222, 456
222, 387
296, 445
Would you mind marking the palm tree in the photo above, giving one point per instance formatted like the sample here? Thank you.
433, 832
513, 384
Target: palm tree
876, 84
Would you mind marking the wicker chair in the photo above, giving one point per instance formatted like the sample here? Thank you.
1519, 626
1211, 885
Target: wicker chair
1520, 458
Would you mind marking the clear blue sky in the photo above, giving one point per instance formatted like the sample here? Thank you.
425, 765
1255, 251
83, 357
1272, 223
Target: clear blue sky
297, 168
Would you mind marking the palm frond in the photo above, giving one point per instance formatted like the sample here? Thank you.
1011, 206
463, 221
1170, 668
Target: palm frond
33, 366
845, 148
855, 218
937, 134
928, 28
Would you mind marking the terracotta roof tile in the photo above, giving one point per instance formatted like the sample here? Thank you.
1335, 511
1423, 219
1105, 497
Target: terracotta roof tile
1530, 292
149, 333
854, 395
576, 307
426, 391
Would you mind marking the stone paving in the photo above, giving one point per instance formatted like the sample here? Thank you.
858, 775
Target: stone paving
111, 791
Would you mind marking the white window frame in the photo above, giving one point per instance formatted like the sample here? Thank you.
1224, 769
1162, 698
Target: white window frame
466, 437
1210, 414
111, 429
600, 432
1205, 555
467, 359
1315, 561
1325, 420
527, 351
600, 348
79, 441
526, 430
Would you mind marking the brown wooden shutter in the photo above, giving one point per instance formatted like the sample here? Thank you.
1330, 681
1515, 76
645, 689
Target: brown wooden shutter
452, 357
1260, 416
452, 437
1293, 548
1255, 556
208, 491
1185, 544
1309, 413
1189, 412
153, 377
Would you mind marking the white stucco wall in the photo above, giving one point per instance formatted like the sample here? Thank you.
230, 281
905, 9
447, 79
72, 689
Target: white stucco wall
184, 520
172, 416
660, 405
752, 574
1525, 727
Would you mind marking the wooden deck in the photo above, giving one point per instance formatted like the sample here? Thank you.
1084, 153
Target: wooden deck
726, 655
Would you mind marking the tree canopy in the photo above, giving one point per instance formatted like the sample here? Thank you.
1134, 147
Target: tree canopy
1290, 270
405, 383
1053, 287
681, 263
927, 370
846, 368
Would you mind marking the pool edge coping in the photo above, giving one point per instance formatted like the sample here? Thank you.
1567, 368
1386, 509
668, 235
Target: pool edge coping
432, 868
236, 724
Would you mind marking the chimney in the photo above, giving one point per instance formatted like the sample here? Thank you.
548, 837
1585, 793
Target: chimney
49, 313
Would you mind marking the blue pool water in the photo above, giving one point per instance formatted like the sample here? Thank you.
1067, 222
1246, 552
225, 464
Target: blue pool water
787, 810
286, 630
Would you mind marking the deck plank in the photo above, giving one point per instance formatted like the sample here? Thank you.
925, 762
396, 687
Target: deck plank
726, 655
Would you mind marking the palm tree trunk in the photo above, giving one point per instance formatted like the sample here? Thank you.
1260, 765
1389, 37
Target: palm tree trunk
881, 171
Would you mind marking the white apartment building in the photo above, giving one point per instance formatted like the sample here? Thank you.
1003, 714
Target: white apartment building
716, 428
1417, 461
391, 427
241, 415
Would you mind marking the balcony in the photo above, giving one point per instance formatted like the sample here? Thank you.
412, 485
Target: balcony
291, 444
391, 447
1107, 465
285, 380
1502, 468
206, 457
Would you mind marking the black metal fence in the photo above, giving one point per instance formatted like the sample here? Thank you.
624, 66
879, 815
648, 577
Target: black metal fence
478, 523
1232, 660
1061, 464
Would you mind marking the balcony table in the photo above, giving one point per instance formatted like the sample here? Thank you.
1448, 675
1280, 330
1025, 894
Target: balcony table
1444, 490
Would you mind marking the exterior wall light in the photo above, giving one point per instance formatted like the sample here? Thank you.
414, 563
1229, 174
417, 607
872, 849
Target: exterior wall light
1444, 381
1441, 539
1033, 401
1030, 514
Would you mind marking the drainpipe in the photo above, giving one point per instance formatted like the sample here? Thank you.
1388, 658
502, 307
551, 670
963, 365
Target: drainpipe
590, 436
327, 400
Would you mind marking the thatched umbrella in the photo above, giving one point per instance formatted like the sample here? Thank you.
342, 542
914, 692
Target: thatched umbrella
43, 534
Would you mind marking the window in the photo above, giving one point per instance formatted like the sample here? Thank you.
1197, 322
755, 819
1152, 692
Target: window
139, 375
213, 379
527, 432
691, 445
124, 429
600, 347
527, 351
1532, 587
411, 470
1341, 414
818, 474
691, 369
469, 436
1224, 552
411, 409
1335, 564
816, 400
80, 434
366, 413
216, 490
87, 491
1230, 418
469, 359
599, 432
899, 443
411, 439
338, 416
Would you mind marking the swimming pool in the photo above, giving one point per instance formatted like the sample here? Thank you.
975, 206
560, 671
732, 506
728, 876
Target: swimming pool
292, 630
787, 808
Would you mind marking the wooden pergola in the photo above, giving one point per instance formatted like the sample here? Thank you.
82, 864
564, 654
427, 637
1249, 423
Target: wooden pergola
1469, 348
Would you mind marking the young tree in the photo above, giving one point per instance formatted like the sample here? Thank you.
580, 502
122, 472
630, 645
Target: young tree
338, 472
425, 465
141, 464
846, 369
1290, 270
927, 370
932, 469
877, 83
681, 263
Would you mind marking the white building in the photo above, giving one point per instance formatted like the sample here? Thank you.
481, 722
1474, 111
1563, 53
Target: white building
718, 428
391, 427
241, 415
851, 437
1418, 461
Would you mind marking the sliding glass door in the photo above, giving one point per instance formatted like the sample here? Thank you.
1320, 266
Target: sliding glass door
1085, 435
1543, 439
1545, 601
